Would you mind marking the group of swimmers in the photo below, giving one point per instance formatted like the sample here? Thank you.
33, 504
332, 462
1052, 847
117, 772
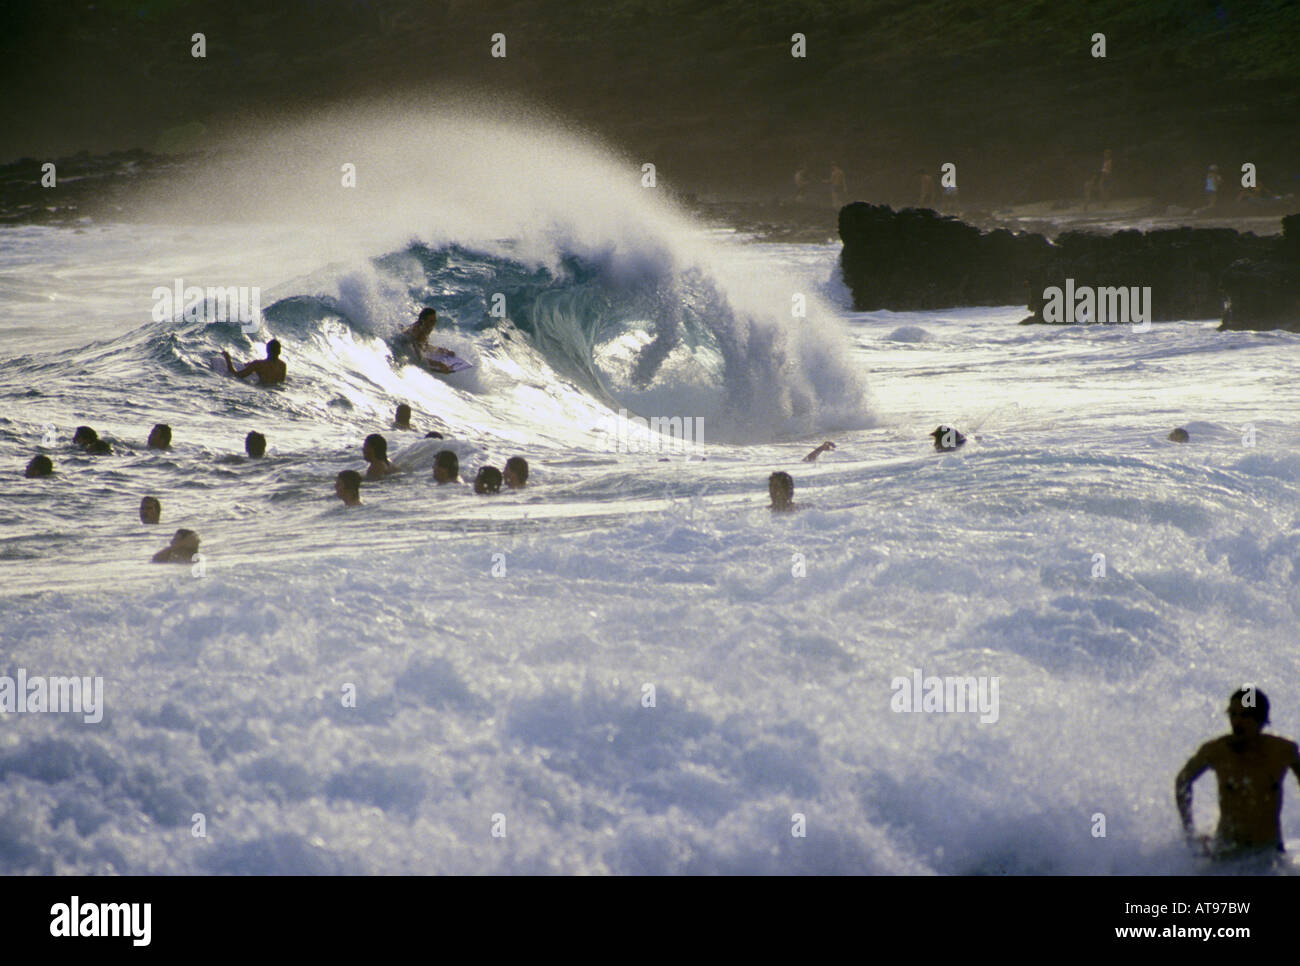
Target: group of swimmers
347, 485
446, 466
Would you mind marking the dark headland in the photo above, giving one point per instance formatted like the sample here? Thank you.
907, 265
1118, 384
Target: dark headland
918, 259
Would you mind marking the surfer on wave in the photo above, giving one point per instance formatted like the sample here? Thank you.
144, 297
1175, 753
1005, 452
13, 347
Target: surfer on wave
419, 335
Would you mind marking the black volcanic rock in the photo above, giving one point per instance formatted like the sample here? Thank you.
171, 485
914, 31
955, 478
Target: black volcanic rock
918, 259
1264, 292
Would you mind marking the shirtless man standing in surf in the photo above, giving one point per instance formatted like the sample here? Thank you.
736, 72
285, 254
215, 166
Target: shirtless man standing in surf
1251, 768
269, 371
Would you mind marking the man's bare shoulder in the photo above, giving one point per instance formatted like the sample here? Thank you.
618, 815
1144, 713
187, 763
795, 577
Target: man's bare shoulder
1283, 748
1214, 749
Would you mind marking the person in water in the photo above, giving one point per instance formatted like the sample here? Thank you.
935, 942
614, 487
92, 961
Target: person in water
446, 467
1178, 435
947, 439
347, 487
780, 487
269, 371
40, 465
160, 437
375, 452
89, 440
402, 420
824, 447
516, 474
150, 509
1250, 768
419, 334
184, 545
255, 445
488, 480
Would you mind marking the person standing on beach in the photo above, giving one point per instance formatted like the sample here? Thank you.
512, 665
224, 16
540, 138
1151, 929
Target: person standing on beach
839, 187
1213, 182
801, 182
1103, 178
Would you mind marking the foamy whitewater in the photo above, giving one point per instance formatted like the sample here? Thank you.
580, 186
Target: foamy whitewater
499, 648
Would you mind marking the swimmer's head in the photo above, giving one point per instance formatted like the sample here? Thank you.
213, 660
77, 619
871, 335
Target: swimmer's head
1247, 711
446, 467
185, 543
347, 487
273, 349
150, 510
84, 436
516, 475
40, 465
375, 448
255, 444
947, 438
160, 437
431, 434
488, 480
427, 320
182, 549
99, 446
781, 488
403, 418
1178, 435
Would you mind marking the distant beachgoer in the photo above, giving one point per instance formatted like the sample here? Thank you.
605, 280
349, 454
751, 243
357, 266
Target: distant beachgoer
255, 444
375, 452
516, 475
160, 437
801, 182
1250, 768
929, 197
446, 467
488, 480
40, 465
1089, 191
946, 439
402, 420
269, 371
1104, 176
150, 509
780, 486
1179, 435
1213, 182
184, 545
839, 187
824, 447
347, 487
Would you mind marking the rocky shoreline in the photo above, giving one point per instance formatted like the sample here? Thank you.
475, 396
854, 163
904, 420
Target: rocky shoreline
917, 259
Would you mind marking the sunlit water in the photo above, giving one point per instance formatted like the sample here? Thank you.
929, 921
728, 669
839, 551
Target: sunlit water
500, 647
